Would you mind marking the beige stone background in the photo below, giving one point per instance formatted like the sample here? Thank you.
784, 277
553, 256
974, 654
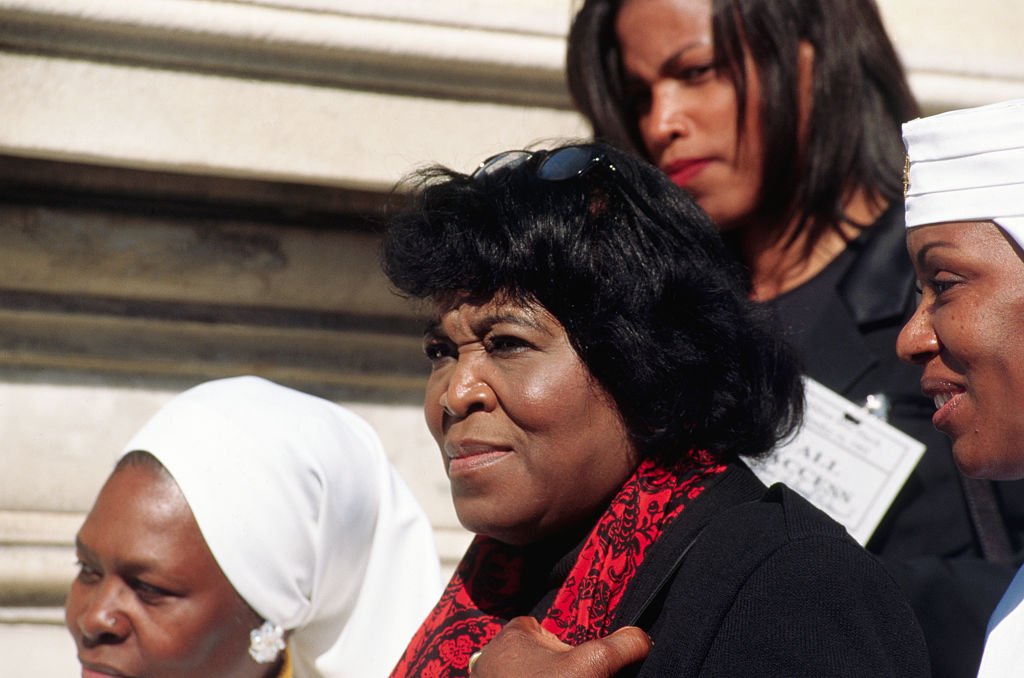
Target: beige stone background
189, 189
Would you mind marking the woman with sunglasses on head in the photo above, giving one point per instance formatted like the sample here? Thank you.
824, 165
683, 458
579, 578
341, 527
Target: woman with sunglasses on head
782, 119
965, 220
251, 531
596, 373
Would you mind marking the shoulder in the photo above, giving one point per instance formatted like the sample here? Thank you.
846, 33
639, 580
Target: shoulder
879, 285
776, 582
789, 539
780, 518
780, 538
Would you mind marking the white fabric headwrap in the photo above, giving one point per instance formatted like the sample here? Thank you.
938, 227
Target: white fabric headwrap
968, 165
306, 517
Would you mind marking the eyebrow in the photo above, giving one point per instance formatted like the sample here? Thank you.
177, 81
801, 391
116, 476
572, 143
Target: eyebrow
926, 248
434, 326
80, 546
132, 568
672, 61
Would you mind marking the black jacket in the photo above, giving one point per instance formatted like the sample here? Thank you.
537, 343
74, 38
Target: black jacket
927, 539
749, 582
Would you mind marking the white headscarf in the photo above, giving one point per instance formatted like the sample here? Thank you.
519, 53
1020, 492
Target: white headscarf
967, 165
306, 518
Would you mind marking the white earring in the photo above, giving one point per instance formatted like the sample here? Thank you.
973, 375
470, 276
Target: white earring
266, 642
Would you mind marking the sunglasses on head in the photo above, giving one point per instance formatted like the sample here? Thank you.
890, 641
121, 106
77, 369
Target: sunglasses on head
565, 163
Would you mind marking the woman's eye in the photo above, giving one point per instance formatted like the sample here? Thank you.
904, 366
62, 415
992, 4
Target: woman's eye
506, 344
86, 573
437, 350
148, 593
694, 73
939, 286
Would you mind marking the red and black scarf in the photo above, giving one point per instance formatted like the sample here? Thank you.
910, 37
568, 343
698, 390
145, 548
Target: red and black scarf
478, 599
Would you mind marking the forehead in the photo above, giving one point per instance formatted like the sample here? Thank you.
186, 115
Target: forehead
688, 22
141, 519
469, 313
969, 238
696, 13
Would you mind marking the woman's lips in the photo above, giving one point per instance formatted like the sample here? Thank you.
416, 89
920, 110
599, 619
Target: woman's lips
682, 172
468, 457
946, 397
947, 404
90, 670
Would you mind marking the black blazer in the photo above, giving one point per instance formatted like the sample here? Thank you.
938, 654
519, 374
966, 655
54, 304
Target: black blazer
749, 582
927, 539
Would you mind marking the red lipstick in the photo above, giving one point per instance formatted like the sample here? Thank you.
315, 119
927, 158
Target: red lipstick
683, 171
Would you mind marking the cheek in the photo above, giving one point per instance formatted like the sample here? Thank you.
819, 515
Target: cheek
203, 645
73, 609
554, 400
432, 411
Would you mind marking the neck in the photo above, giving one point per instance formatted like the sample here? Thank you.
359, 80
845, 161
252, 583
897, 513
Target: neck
783, 258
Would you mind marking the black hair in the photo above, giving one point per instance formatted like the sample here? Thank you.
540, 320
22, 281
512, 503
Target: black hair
638, 277
860, 98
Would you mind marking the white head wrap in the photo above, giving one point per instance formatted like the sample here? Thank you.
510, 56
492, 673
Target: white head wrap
968, 165
305, 516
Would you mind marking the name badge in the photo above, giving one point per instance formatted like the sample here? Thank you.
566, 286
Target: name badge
845, 461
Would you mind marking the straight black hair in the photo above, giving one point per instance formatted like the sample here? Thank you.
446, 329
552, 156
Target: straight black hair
860, 98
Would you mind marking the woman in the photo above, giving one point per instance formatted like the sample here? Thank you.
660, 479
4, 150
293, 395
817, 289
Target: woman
782, 119
244, 519
596, 372
965, 215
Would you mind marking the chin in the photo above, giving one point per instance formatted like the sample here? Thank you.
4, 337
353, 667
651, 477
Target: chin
993, 463
487, 528
726, 225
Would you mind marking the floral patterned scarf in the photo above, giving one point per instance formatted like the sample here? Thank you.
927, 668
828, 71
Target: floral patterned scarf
479, 598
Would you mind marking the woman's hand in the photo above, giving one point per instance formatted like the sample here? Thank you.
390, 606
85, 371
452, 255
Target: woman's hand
526, 650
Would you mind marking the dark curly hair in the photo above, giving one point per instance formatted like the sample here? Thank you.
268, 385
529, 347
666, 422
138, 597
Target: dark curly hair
637, 275
860, 97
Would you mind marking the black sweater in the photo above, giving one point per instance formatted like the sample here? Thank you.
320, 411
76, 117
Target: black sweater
749, 582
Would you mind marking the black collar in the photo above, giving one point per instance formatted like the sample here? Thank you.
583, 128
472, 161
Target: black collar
879, 285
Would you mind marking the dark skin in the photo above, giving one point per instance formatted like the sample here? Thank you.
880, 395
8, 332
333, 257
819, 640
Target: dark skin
149, 599
531, 446
537, 653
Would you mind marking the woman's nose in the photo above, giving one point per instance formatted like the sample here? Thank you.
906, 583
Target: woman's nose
102, 619
666, 120
467, 392
917, 341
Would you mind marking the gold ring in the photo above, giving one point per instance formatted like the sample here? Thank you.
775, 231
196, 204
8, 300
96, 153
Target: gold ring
472, 659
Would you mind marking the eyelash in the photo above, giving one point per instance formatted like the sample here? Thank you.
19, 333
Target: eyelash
691, 73
438, 350
147, 593
639, 95
506, 342
938, 287
84, 570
